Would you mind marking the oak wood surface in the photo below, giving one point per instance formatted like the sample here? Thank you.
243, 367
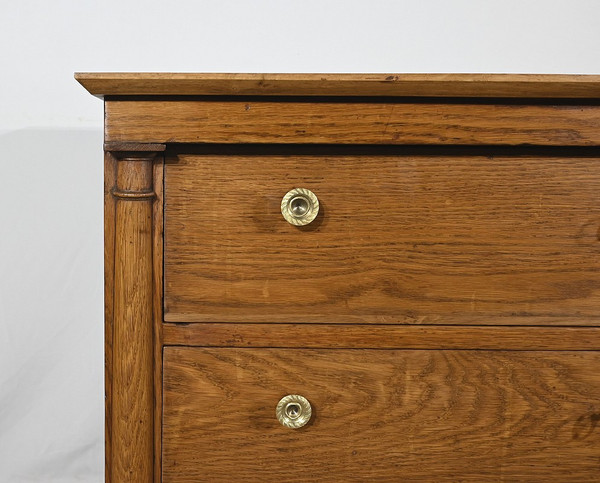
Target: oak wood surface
429, 85
157, 274
355, 336
418, 239
500, 249
132, 405
219, 121
382, 415
127, 147
110, 176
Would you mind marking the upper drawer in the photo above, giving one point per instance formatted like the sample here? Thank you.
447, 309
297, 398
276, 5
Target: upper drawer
400, 238
343, 121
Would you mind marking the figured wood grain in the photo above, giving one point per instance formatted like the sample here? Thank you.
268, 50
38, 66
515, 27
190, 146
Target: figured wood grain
418, 239
382, 415
428, 85
132, 409
218, 121
439, 238
355, 336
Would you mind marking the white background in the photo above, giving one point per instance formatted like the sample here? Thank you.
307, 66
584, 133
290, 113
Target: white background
51, 312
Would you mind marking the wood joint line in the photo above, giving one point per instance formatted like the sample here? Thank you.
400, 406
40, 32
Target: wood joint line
121, 149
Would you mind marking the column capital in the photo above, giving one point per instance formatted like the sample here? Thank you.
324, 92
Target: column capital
134, 169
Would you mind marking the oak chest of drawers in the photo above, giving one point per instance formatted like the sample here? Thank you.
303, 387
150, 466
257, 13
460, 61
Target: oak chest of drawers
351, 277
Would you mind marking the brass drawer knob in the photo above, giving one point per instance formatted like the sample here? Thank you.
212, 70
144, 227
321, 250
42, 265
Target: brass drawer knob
293, 411
299, 206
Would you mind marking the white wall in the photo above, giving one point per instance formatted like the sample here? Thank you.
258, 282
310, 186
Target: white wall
51, 396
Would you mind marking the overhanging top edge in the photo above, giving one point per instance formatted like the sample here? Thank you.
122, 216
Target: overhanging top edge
363, 85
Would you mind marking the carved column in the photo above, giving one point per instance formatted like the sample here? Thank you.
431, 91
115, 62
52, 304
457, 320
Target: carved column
131, 445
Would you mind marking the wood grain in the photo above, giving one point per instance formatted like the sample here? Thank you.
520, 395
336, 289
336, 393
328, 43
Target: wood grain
218, 121
110, 179
428, 85
355, 336
157, 279
382, 415
124, 147
418, 239
435, 313
132, 408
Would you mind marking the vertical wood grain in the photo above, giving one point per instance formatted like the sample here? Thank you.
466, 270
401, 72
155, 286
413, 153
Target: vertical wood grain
132, 412
109, 267
157, 234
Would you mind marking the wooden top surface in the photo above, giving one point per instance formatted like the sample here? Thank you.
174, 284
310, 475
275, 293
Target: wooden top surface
402, 85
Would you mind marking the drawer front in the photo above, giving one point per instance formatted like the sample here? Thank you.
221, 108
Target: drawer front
381, 415
428, 238
351, 122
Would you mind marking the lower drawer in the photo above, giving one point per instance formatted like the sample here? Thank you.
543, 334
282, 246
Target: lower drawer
384, 415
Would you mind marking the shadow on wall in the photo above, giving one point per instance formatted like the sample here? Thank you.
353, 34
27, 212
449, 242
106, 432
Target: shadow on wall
51, 309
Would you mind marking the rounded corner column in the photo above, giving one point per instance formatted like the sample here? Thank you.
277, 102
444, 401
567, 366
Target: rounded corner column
132, 384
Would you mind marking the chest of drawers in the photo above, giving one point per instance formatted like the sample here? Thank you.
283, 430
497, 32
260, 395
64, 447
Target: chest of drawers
351, 277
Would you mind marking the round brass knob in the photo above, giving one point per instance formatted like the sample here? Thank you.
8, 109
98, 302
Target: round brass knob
293, 411
299, 206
